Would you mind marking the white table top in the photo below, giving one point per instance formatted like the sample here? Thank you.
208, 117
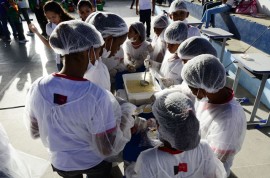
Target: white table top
254, 62
193, 21
216, 33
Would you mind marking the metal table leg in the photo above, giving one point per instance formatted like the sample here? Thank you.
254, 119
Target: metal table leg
222, 49
236, 79
258, 97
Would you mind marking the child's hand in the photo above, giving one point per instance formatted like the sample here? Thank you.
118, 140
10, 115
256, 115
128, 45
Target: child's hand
33, 28
167, 82
131, 68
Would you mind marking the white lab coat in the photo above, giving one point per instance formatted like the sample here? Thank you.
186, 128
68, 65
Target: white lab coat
99, 74
77, 131
171, 68
17, 164
115, 64
137, 56
200, 163
159, 47
224, 128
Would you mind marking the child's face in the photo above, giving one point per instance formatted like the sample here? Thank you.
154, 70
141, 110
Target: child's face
132, 34
179, 15
113, 44
84, 12
53, 17
172, 47
158, 31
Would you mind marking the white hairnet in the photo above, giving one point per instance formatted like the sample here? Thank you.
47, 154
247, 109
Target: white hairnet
74, 36
161, 21
205, 72
140, 29
177, 122
177, 5
195, 46
176, 32
108, 24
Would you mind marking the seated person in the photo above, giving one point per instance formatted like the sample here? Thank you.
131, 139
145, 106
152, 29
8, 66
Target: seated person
178, 11
136, 48
226, 6
182, 153
209, 5
169, 73
160, 23
85, 8
222, 118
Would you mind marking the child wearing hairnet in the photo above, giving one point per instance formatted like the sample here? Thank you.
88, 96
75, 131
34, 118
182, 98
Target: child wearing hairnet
190, 48
178, 11
80, 123
161, 22
182, 153
169, 73
222, 118
114, 32
136, 48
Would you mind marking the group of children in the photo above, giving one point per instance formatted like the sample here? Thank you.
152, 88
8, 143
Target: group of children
200, 125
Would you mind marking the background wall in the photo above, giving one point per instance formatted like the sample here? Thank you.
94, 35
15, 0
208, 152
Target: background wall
264, 6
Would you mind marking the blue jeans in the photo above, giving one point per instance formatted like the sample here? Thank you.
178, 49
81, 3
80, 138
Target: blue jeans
215, 10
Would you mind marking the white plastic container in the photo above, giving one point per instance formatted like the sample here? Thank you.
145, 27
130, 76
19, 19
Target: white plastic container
143, 97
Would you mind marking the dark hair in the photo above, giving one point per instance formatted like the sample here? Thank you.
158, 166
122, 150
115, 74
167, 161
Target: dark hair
82, 3
136, 31
57, 8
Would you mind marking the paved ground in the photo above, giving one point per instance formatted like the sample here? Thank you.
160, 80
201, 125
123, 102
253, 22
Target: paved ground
20, 65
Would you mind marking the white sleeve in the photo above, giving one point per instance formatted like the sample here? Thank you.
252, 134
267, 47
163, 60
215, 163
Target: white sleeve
213, 168
127, 53
226, 134
118, 120
29, 116
175, 73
